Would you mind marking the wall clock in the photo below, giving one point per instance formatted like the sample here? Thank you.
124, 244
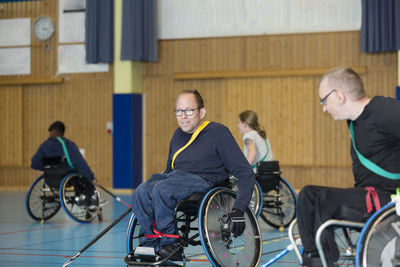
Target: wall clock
43, 28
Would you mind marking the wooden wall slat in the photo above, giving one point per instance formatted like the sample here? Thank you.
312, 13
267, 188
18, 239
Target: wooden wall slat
11, 126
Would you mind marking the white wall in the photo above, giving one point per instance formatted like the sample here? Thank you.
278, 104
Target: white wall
211, 18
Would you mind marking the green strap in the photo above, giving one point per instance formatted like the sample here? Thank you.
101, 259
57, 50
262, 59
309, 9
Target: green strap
65, 152
262, 159
369, 164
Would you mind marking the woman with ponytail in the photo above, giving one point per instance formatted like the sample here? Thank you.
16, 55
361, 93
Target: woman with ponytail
256, 145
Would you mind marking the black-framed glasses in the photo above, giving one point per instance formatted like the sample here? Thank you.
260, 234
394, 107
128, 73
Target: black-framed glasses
188, 112
322, 101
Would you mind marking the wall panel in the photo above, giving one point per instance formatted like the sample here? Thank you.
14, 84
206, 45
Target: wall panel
82, 101
11, 126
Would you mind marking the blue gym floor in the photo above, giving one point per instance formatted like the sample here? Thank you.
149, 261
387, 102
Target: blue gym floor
24, 242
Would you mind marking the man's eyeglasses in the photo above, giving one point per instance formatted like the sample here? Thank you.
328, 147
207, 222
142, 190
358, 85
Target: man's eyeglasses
323, 100
188, 112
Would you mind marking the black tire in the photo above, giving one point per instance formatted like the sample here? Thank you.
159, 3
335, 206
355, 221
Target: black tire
75, 193
380, 236
42, 202
221, 248
279, 205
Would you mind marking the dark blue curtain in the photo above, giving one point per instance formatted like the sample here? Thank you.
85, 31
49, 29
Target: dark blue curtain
380, 27
99, 33
139, 30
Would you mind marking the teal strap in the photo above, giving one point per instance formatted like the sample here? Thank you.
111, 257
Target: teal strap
262, 159
369, 164
65, 152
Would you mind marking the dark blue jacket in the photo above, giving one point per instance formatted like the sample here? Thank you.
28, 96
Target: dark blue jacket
53, 148
214, 155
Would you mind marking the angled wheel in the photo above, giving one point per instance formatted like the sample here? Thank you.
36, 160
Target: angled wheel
256, 201
379, 242
42, 202
133, 234
221, 248
79, 198
279, 205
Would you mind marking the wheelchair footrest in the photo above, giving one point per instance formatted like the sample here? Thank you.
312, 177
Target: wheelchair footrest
146, 256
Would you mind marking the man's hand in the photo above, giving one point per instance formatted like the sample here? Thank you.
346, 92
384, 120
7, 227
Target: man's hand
236, 222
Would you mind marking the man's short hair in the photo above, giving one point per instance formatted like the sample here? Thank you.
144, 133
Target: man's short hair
346, 79
199, 99
57, 126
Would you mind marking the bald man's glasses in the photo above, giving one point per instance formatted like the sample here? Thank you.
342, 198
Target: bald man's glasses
323, 100
188, 112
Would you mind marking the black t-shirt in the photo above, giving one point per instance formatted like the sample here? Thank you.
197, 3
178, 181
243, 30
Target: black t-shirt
377, 137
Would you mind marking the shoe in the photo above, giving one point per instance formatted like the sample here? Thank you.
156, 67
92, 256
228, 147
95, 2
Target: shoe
310, 259
166, 251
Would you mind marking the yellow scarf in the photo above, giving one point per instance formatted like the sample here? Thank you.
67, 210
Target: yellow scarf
194, 135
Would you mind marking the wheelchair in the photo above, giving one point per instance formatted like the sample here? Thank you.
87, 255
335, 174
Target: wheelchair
57, 188
273, 197
201, 219
373, 243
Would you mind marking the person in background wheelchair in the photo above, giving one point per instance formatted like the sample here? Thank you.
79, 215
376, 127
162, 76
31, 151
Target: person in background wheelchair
374, 125
52, 149
256, 145
201, 154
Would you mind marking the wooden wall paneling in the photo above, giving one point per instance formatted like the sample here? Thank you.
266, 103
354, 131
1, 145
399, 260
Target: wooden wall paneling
11, 126
325, 176
87, 109
158, 123
43, 61
82, 101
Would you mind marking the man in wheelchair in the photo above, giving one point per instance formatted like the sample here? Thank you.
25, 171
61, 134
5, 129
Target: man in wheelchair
58, 156
201, 154
374, 125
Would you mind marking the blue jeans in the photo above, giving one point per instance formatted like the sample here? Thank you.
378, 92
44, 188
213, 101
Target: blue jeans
155, 200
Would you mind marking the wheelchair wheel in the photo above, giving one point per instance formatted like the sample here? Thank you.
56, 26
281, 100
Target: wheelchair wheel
133, 234
379, 242
79, 198
42, 202
221, 248
256, 202
279, 205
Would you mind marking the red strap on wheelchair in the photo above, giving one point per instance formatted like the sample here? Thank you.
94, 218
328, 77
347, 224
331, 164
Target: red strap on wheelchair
159, 234
372, 192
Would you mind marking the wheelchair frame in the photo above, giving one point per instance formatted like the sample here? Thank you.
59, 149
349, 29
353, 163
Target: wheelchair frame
357, 245
210, 211
274, 199
278, 197
66, 195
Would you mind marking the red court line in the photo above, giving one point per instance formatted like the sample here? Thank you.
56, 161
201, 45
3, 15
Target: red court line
54, 255
32, 230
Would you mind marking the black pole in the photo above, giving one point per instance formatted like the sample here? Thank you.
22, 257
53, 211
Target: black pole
114, 196
98, 236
